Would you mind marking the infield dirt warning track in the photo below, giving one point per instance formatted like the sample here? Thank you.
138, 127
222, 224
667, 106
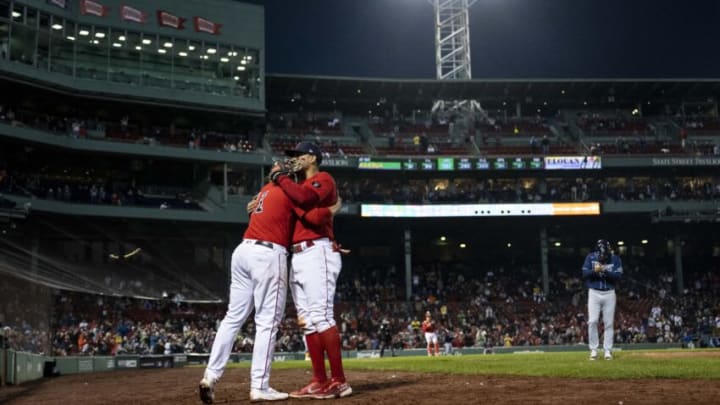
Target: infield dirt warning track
179, 386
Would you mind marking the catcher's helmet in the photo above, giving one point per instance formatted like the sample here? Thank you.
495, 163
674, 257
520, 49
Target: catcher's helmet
604, 250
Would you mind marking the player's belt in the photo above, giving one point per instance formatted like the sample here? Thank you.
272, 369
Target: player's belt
299, 247
602, 289
266, 244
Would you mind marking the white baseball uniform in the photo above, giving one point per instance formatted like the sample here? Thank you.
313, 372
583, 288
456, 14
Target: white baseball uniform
315, 269
259, 280
431, 337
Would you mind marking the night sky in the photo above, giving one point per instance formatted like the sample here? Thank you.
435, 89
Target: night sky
509, 38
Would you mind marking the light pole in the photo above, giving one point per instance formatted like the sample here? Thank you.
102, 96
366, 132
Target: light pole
452, 39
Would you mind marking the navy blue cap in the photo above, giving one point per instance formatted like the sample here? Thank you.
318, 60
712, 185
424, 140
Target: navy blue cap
305, 148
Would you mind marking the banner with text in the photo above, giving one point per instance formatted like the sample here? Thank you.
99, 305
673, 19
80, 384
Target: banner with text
572, 162
90, 7
203, 25
166, 19
128, 13
686, 161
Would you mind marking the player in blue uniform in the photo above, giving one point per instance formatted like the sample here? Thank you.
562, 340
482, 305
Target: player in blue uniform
601, 271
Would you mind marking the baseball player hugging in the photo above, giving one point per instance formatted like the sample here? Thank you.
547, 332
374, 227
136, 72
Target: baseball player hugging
601, 271
316, 265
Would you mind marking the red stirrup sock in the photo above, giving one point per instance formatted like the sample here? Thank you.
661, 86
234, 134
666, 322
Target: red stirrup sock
331, 343
314, 346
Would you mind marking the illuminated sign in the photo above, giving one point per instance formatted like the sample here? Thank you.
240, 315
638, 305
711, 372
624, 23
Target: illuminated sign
480, 163
446, 164
370, 164
479, 210
572, 162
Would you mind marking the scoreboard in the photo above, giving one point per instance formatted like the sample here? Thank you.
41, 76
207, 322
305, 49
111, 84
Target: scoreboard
479, 163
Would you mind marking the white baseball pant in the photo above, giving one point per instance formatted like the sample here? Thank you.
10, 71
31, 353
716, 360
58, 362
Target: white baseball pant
313, 278
259, 281
431, 337
601, 301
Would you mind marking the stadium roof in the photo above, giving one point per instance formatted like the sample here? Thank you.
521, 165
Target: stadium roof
366, 92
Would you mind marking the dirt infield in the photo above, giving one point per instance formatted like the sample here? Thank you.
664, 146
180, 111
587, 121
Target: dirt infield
178, 386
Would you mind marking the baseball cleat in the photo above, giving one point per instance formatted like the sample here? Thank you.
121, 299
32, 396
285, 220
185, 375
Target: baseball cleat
310, 390
268, 394
608, 356
207, 390
593, 355
335, 389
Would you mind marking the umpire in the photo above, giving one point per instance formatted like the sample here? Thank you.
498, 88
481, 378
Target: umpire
601, 271
386, 338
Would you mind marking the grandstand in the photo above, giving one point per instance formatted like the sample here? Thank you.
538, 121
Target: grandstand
125, 174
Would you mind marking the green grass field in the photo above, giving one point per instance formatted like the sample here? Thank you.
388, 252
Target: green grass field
695, 364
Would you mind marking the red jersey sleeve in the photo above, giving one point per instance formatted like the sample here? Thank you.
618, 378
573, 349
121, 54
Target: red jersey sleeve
299, 195
319, 190
316, 216
323, 185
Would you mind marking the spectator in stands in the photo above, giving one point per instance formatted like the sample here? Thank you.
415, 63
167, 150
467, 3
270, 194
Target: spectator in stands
192, 140
545, 143
683, 137
534, 145
124, 122
391, 139
424, 142
416, 143
3, 49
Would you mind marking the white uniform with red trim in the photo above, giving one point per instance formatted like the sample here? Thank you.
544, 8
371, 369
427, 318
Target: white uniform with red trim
259, 281
315, 270
428, 326
316, 264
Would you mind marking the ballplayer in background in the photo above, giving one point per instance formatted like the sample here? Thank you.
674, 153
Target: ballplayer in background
601, 271
430, 329
316, 265
259, 281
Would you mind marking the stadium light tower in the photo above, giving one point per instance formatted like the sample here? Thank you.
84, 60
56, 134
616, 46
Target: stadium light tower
452, 55
452, 39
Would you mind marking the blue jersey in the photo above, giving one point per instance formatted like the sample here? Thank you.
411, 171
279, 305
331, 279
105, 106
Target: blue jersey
604, 280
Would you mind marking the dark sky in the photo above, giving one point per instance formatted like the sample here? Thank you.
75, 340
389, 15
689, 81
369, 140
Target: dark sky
509, 38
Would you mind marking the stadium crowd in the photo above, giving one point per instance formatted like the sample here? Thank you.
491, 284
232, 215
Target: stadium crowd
498, 307
406, 135
126, 131
96, 190
528, 190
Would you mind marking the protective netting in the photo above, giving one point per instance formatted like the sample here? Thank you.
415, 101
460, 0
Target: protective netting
25, 314
102, 257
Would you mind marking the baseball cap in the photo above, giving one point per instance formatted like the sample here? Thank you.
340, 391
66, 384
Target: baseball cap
306, 148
